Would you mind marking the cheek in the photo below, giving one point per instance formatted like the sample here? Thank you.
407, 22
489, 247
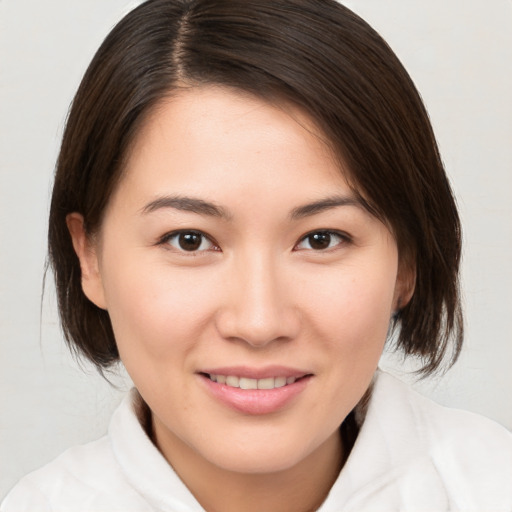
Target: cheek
357, 299
156, 310
353, 323
352, 316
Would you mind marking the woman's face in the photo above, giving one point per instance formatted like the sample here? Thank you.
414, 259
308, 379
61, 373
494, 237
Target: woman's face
234, 255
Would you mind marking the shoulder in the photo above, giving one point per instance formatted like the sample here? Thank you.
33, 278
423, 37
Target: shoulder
82, 478
449, 430
471, 454
121, 472
413, 454
86, 477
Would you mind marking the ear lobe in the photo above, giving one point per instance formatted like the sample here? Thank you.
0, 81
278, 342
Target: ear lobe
405, 285
86, 251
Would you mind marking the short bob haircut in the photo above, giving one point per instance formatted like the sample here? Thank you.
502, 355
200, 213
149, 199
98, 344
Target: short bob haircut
314, 54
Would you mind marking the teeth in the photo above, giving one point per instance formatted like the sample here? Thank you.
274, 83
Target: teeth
279, 382
246, 383
232, 381
266, 383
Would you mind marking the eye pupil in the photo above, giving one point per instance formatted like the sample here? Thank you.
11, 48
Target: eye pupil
320, 240
190, 241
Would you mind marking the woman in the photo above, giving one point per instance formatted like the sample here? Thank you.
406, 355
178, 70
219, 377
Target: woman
248, 200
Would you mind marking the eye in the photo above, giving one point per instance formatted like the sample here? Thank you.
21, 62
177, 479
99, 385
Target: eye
188, 241
321, 240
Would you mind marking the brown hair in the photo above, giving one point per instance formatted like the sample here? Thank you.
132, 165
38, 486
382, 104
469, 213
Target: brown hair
318, 55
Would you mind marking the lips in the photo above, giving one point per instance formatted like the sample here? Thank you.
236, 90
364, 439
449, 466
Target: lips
255, 391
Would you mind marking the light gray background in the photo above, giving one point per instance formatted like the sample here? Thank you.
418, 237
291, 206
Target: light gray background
459, 52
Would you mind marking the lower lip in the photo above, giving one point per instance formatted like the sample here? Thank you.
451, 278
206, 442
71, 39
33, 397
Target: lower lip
256, 401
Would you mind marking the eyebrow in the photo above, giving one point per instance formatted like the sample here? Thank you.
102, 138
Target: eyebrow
201, 207
328, 203
187, 204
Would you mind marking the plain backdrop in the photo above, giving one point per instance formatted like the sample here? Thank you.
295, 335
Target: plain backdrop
459, 53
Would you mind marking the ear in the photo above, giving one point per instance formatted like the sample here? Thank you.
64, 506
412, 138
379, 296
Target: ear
86, 250
405, 285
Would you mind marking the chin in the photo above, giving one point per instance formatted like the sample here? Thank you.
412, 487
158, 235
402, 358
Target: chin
258, 464
271, 456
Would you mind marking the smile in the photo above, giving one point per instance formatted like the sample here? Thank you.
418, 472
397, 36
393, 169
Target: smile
247, 383
256, 391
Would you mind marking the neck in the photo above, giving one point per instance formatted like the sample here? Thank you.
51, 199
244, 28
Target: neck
301, 488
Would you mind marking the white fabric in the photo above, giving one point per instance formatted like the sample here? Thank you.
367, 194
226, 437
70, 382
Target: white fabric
411, 455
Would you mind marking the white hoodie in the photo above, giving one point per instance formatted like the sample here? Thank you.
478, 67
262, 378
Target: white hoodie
411, 455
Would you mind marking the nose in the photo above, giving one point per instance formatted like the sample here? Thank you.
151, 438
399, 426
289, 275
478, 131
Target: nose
258, 307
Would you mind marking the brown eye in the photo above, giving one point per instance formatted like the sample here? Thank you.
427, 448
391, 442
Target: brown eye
321, 240
189, 241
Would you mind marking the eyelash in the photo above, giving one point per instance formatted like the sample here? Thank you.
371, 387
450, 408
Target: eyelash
166, 239
343, 239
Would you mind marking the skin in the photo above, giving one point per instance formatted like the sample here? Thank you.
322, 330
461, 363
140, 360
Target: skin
256, 293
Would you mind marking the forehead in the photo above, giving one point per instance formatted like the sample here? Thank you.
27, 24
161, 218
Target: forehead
206, 136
